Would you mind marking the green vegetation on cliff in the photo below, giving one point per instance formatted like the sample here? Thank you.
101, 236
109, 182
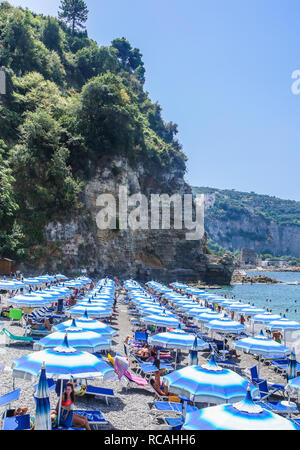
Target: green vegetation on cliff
69, 102
232, 204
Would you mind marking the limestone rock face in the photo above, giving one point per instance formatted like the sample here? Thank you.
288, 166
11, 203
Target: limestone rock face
164, 255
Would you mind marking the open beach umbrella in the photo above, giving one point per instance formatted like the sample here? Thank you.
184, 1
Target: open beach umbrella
93, 311
194, 312
63, 362
264, 317
244, 415
208, 383
283, 325
251, 311
262, 346
60, 276
225, 326
161, 320
207, 316
28, 301
177, 339
42, 415
84, 340
237, 306
87, 323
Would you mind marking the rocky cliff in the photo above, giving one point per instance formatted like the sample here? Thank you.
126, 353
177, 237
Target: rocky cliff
75, 242
237, 220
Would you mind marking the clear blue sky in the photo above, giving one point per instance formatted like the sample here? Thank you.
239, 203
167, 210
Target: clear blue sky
222, 71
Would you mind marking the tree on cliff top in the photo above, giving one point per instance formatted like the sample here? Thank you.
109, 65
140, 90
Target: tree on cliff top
74, 12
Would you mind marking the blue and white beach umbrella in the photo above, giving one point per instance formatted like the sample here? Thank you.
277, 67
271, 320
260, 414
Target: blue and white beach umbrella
237, 306
87, 323
162, 320
63, 362
93, 311
264, 317
207, 317
262, 346
84, 340
196, 311
225, 326
283, 325
251, 311
42, 415
28, 301
178, 340
244, 415
208, 383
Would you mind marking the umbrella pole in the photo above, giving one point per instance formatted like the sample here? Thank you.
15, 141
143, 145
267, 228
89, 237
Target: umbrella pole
258, 368
176, 358
60, 401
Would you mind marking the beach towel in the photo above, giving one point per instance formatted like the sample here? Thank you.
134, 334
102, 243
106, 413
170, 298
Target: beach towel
121, 365
111, 359
135, 379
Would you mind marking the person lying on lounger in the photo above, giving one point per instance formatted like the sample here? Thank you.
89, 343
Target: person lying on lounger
144, 353
40, 326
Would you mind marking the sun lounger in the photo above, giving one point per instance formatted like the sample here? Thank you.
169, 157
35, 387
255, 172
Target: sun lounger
17, 423
281, 366
99, 392
12, 337
174, 423
134, 380
37, 333
148, 367
263, 385
277, 407
95, 418
10, 397
163, 408
266, 391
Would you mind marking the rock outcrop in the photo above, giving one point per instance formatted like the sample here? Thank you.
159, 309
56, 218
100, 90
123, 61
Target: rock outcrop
76, 242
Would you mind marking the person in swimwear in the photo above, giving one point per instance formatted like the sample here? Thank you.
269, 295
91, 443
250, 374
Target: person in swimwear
68, 400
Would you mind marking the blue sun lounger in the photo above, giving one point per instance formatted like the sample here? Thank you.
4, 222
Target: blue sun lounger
10, 397
94, 418
174, 423
17, 423
277, 407
99, 392
282, 365
161, 408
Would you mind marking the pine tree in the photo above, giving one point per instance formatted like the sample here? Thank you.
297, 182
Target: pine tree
74, 12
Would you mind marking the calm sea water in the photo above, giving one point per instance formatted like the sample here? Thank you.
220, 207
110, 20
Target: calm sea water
283, 296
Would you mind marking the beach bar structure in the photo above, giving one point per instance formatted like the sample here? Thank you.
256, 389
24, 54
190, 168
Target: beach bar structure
7, 266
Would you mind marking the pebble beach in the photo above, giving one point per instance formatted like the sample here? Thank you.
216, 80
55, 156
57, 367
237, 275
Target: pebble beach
131, 408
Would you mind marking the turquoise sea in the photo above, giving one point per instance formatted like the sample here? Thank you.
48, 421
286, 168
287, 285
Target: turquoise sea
283, 296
